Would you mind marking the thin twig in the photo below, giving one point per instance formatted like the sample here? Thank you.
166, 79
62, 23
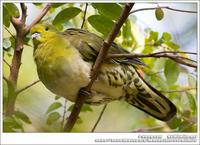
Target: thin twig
39, 17
6, 63
6, 79
64, 114
26, 87
182, 57
148, 129
9, 32
178, 59
86, 5
99, 118
175, 91
175, 52
164, 7
84, 93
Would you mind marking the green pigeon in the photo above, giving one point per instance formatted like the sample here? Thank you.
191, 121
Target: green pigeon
64, 61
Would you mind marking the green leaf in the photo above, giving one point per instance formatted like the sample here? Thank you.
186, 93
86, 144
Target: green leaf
53, 117
128, 38
85, 108
12, 9
66, 15
160, 82
6, 17
166, 36
159, 14
153, 36
79, 120
174, 122
159, 64
38, 4
192, 102
186, 126
70, 107
101, 24
171, 71
10, 124
172, 45
147, 49
109, 10
54, 106
57, 97
22, 116
56, 5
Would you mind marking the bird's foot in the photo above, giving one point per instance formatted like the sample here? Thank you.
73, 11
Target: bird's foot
84, 92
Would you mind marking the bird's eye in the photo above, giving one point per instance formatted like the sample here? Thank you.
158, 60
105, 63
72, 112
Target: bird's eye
46, 29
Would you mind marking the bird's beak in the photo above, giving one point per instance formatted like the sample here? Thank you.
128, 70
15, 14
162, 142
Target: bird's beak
35, 35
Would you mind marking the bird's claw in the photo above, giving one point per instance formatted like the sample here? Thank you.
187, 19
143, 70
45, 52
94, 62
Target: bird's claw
84, 92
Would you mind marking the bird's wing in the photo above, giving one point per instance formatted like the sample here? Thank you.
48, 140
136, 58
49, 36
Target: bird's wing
89, 45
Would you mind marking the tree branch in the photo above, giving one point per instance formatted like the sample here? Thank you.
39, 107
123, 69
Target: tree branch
178, 59
164, 7
26, 87
6, 63
21, 31
64, 114
99, 118
16, 60
83, 93
24, 12
6, 79
38, 18
86, 5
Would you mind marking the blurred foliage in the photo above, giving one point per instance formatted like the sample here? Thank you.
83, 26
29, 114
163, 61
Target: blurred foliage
9, 9
164, 74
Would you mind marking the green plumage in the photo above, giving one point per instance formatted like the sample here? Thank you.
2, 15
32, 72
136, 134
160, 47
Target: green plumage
64, 61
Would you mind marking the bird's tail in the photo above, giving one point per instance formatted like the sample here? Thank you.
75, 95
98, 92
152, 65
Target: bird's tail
151, 100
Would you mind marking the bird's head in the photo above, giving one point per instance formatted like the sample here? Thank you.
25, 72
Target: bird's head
42, 32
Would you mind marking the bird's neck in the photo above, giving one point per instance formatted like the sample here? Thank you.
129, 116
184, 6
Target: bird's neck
53, 48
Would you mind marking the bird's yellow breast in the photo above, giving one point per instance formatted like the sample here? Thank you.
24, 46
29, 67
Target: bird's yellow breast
61, 69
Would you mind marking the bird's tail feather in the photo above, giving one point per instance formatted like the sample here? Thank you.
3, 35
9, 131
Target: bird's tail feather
151, 100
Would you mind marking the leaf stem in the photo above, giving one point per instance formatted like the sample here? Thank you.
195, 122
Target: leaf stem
39, 17
164, 7
6, 63
86, 5
26, 87
64, 114
99, 118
